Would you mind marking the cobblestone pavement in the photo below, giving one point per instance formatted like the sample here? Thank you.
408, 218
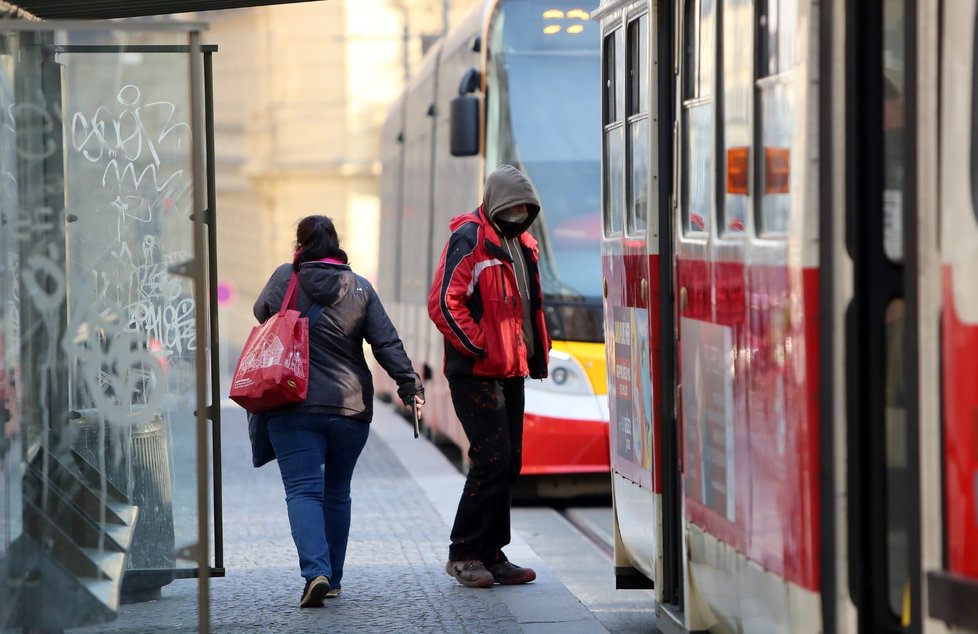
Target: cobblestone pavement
404, 496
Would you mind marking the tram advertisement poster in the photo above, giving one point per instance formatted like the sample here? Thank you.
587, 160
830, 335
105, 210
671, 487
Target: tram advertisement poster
631, 415
707, 406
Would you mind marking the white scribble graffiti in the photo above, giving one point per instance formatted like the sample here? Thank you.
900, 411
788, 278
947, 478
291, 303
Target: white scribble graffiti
123, 378
135, 154
35, 115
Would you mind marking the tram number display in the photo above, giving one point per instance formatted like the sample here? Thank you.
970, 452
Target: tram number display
707, 374
631, 404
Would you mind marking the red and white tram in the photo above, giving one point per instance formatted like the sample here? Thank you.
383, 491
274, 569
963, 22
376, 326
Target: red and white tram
790, 221
508, 79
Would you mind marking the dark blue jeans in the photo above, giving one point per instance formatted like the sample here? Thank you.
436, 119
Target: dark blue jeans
316, 456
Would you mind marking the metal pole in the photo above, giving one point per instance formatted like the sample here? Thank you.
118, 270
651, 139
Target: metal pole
200, 300
214, 410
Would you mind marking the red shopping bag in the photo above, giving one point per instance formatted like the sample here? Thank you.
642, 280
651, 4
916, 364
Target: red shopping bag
273, 369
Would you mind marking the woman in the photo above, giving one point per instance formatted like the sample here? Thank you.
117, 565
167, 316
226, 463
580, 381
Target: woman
317, 442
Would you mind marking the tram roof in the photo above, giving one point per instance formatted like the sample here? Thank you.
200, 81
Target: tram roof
108, 9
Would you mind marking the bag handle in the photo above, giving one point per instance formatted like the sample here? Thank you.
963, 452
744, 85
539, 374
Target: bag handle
288, 302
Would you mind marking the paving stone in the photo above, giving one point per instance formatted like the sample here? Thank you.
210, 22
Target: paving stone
394, 579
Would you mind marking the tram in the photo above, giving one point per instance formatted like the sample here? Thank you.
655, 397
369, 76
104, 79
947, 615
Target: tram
516, 82
789, 240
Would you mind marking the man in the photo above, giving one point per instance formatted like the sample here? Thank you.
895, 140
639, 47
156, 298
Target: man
487, 302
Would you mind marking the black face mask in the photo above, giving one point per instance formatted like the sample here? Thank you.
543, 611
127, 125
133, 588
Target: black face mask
509, 229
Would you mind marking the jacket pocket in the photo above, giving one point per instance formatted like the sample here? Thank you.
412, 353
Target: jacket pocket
502, 340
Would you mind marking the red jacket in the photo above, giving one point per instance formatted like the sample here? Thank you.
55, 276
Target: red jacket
474, 302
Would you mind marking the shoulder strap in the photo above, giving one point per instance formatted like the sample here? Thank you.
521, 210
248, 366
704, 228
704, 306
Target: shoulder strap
313, 314
288, 302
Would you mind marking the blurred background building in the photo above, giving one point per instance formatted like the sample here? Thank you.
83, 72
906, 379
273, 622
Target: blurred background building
301, 91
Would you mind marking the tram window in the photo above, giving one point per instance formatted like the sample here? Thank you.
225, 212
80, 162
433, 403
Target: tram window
698, 173
613, 76
690, 50
894, 124
898, 515
778, 21
777, 125
610, 113
638, 125
698, 114
613, 181
700, 51
638, 76
614, 178
776, 34
737, 70
638, 176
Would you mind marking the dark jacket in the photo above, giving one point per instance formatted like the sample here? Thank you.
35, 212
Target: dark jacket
475, 300
339, 379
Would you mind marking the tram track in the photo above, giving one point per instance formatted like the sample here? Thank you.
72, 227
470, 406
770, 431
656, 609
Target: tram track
589, 530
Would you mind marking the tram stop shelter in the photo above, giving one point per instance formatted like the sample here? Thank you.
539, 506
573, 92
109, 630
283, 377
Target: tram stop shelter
109, 394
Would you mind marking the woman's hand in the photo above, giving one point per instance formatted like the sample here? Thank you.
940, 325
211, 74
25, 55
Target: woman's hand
418, 402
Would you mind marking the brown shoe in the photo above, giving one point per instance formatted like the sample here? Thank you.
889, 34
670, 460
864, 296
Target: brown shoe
510, 574
314, 592
472, 573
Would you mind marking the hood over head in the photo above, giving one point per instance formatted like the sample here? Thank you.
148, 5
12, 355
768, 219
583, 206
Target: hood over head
507, 187
326, 284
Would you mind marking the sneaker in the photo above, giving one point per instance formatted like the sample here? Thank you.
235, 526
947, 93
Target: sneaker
470, 573
315, 591
333, 593
510, 574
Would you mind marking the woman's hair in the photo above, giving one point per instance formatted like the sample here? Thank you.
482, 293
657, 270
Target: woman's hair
315, 239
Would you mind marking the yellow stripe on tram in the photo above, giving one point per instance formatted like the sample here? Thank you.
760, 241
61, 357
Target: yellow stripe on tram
591, 356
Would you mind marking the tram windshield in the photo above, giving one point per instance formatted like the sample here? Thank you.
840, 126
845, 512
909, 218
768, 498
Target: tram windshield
544, 117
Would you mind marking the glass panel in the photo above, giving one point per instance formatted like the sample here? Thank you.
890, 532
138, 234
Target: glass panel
619, 76
533, 76
894, 124
898, 513
610, 112
777, 114
738, 92
779, 22
707, 45
638, 161
98, 458
698, 171
129, 186
638, 79
614, 178
691, 51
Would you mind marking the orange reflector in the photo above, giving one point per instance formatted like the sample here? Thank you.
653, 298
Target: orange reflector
738, 170
777, 170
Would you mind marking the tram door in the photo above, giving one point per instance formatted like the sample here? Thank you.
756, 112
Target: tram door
883, 478
952, 572
631, 285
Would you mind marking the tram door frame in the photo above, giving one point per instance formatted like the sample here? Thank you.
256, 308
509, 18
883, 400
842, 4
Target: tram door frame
882, 281
665, 22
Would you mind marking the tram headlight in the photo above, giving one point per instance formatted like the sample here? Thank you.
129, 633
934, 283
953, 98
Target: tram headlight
566, 376
560, 375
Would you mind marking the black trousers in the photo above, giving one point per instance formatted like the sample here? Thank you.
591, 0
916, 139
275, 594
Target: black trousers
491, 412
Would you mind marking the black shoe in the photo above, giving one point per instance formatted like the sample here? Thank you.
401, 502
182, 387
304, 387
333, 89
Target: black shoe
315, 592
